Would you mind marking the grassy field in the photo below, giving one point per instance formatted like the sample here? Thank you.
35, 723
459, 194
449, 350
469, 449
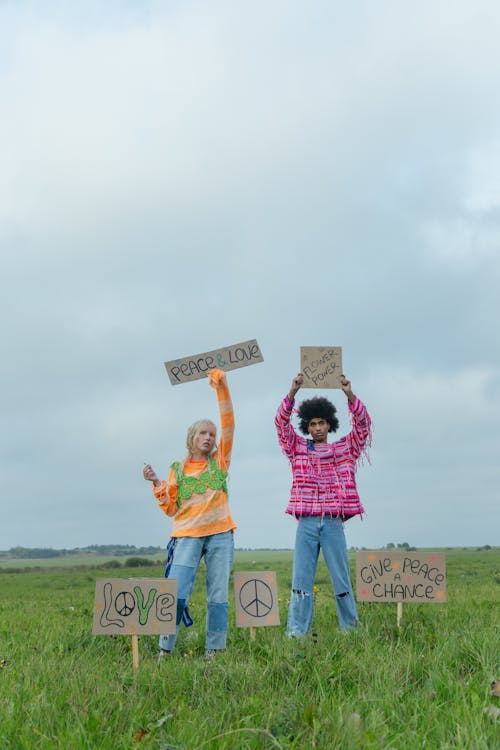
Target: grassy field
426, 685
77, 561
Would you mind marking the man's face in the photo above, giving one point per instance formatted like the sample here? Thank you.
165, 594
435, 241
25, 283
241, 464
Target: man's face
205, 440
318, 429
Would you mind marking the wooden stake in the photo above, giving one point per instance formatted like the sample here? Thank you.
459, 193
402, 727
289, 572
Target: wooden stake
252, 633
399, 614
135, 652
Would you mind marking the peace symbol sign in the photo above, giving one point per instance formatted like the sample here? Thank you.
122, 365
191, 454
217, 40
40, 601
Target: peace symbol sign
124, 603
256, 598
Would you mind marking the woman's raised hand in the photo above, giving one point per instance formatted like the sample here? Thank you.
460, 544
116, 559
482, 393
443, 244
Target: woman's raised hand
215, 377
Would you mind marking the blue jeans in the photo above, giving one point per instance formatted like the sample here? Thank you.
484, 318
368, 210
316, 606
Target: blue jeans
313, 533
218, 550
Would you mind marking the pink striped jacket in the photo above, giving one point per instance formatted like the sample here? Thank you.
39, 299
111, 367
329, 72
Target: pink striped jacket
324, 474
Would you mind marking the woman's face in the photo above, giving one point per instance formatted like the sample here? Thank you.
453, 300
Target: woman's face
205, 439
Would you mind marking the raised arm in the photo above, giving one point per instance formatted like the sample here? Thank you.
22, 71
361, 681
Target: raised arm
346, 387
295, 386
360, 435
217, 379
287, 437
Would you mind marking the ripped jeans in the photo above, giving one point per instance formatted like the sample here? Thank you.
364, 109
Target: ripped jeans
217, 549
315, 533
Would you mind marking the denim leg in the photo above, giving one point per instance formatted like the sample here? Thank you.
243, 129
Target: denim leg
305, 560
187, 556
219, 552
333, 544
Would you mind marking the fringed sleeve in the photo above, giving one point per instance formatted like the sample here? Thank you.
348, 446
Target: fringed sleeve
360, 437
287, 436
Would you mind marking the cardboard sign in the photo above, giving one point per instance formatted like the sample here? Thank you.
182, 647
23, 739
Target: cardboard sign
256, 598
321, 365
395, 576
128, 606
230, 358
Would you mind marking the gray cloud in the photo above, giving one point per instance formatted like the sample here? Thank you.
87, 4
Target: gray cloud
179, 178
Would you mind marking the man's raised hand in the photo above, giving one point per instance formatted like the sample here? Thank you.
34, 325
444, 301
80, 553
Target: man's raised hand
296, 385
346, 387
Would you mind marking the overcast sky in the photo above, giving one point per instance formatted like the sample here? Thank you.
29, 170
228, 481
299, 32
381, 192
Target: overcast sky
180, 176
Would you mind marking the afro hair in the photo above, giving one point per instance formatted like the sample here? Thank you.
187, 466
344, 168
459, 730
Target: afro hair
317, 408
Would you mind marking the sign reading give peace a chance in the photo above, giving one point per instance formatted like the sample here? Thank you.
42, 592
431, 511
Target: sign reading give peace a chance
135, 606
256, 598
394, 576
321, 366
229, 358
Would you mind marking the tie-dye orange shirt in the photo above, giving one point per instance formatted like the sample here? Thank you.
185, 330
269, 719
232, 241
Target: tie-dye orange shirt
207, 514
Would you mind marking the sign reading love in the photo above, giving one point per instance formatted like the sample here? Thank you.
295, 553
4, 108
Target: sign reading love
229, 358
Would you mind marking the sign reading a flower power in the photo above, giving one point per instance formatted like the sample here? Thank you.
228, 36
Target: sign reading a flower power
321, 365
395, 576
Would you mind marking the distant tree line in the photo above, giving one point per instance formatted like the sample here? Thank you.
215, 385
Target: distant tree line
113, 550
391, 545
408, 548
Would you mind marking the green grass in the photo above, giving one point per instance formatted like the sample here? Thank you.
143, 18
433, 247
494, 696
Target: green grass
90, 560
423, 686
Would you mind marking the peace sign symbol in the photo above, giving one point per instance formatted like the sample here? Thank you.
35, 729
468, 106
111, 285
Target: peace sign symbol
124, 603
256, 598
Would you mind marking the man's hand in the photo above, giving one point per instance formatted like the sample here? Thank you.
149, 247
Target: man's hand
296, 385
346, 387
150, 475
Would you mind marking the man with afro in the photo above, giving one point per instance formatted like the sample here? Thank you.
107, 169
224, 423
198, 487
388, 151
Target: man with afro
323, 496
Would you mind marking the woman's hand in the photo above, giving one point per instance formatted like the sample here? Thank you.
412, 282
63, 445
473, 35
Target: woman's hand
296, 385
149, 475
215, 377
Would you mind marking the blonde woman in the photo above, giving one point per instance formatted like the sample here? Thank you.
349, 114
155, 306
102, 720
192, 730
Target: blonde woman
195, 494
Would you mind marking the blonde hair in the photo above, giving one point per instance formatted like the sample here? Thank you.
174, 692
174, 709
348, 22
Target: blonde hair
193, 433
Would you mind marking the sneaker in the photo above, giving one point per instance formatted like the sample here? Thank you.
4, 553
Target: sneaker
163, 655
210, 653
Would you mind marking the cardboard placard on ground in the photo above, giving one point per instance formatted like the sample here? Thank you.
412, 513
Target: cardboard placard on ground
229, 358
256, 598
398, 576
135, 606
321, 365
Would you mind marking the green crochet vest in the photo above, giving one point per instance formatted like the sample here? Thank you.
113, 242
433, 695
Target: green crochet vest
213, 478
